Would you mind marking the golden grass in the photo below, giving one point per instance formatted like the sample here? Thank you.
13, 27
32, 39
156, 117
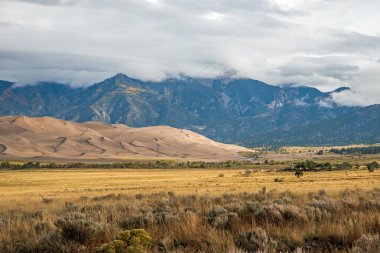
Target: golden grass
32, 184
186, 210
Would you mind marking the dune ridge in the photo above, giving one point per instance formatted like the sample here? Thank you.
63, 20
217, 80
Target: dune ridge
46, 137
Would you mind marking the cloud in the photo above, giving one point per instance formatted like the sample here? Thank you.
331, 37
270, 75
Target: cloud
306, 68
350, 98
327, 103
74, 69
48, 2
325, 44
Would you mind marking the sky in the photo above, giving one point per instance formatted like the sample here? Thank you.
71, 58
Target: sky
321, 43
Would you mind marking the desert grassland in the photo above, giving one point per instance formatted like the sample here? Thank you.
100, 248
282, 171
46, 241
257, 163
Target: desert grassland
292, 157
295, 149
190, 210
17, 186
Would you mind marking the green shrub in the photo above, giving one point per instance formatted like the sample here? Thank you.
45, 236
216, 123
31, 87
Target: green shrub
128, 241
298, 173
372, 166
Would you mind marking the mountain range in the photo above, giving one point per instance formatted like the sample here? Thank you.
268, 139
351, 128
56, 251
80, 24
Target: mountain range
243, 111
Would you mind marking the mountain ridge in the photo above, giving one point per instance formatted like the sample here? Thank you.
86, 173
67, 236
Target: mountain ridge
361, 126
225, 109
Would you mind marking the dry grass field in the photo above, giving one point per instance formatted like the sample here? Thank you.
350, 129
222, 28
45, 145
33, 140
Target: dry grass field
35, 184
189, 210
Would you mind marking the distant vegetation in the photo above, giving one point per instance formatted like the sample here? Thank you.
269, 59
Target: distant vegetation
372, 166
126, 165
297, 166
357, 150
327, 166
265, 221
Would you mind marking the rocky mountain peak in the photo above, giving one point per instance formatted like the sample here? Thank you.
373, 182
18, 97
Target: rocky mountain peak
5, 85
228, 110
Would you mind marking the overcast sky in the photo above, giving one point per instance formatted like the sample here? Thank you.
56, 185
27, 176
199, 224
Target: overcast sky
320, 43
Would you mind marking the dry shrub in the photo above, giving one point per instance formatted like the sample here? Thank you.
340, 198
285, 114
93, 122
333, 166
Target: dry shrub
43, 228
194, 235
255, 240
292, 213
279, 179
367, 243
51, 242
198, 223
107, 197
221, 218
134, 221
282, 213
269, 213
78, 228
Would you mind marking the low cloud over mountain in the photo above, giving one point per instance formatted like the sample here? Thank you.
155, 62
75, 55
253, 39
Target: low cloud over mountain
325, 44
224, 109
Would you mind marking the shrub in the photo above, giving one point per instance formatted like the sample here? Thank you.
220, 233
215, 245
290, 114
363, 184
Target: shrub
139, 196
316, 222
292, 213
162, 216
344, 166
129, 241
279, 179
79, 229
298, 173
269, 213
51, 242
46, 200
141, 220
219, 217
367, 243
42, 227
372, 166
255, 240
281, 213
247, 173
322, 192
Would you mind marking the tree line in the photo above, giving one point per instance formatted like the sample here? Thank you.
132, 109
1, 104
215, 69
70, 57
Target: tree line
357, 150
126, 165
315, 166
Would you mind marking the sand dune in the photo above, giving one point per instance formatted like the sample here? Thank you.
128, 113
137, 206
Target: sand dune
45, 137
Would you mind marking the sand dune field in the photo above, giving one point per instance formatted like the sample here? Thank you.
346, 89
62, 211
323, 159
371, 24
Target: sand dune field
45, 137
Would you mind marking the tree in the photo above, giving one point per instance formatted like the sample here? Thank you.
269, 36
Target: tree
372, 166
5, 165
320, 152
298, 173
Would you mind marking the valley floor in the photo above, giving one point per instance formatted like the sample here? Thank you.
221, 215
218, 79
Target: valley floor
216, 210
35, 184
